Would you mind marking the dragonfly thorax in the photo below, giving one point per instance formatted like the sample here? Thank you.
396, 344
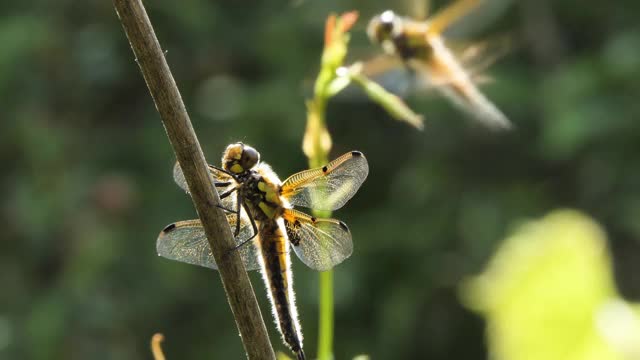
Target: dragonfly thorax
261, 193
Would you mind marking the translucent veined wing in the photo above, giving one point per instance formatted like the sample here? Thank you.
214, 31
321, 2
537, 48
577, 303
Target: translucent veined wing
480, 17
391, 73
416, 9
447, 16
479, 56
320, 243
228, 202
328, 187
475, 58
456, 84
185, 241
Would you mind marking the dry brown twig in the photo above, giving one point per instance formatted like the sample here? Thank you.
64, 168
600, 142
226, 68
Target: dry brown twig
168, 101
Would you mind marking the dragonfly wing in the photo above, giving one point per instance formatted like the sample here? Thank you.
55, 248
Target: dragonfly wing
452, 13
417, 9
451, 80
228, 202
474, 103
479, 56
320, 243
185, 241
390, 72
486, 13
329, 187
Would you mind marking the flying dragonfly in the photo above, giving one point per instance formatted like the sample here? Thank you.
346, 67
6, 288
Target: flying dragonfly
421, 48
260, 210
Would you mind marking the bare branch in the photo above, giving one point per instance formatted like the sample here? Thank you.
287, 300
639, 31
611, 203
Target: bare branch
168, 101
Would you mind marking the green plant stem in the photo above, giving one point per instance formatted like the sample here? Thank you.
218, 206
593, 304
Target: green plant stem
325, 334
325, 311
318, 144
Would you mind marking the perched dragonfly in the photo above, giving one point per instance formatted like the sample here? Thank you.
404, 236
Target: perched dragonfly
421, 47
260, 210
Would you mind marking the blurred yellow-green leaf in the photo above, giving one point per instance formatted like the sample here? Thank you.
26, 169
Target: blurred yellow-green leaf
362, 357
549, 293
282, 356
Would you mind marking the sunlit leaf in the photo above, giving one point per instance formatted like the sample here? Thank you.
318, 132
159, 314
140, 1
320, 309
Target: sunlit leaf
548, 293
282, 356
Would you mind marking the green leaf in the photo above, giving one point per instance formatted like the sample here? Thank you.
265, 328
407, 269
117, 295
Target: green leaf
548, 293
282, 356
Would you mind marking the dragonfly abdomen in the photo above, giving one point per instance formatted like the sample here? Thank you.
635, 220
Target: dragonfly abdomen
278, 279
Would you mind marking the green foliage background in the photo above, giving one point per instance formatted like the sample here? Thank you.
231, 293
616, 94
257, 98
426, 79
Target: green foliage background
86, 183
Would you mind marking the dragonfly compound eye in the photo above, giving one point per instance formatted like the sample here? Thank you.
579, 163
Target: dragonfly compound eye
250, 157
383, 26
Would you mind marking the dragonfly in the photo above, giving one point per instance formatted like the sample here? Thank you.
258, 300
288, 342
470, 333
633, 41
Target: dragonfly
421, 47
260, 209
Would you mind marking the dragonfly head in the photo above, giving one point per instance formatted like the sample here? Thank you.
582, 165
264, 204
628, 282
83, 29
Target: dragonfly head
239, 158
384, 27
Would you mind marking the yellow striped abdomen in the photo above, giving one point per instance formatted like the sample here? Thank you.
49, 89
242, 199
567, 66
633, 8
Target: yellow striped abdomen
277, 276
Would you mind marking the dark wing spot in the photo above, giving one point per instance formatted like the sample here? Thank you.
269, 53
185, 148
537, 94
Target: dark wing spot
291, 234
324, 169
356, 153
169, 228
313, 219
344, 226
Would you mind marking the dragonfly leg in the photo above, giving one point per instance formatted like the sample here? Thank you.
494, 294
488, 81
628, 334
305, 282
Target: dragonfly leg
239, 207
222, 184
253, 225
255, 232
245, 242
227, 209
225, 195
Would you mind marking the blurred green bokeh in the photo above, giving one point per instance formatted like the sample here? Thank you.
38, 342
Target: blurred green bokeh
548, 293
87, 183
